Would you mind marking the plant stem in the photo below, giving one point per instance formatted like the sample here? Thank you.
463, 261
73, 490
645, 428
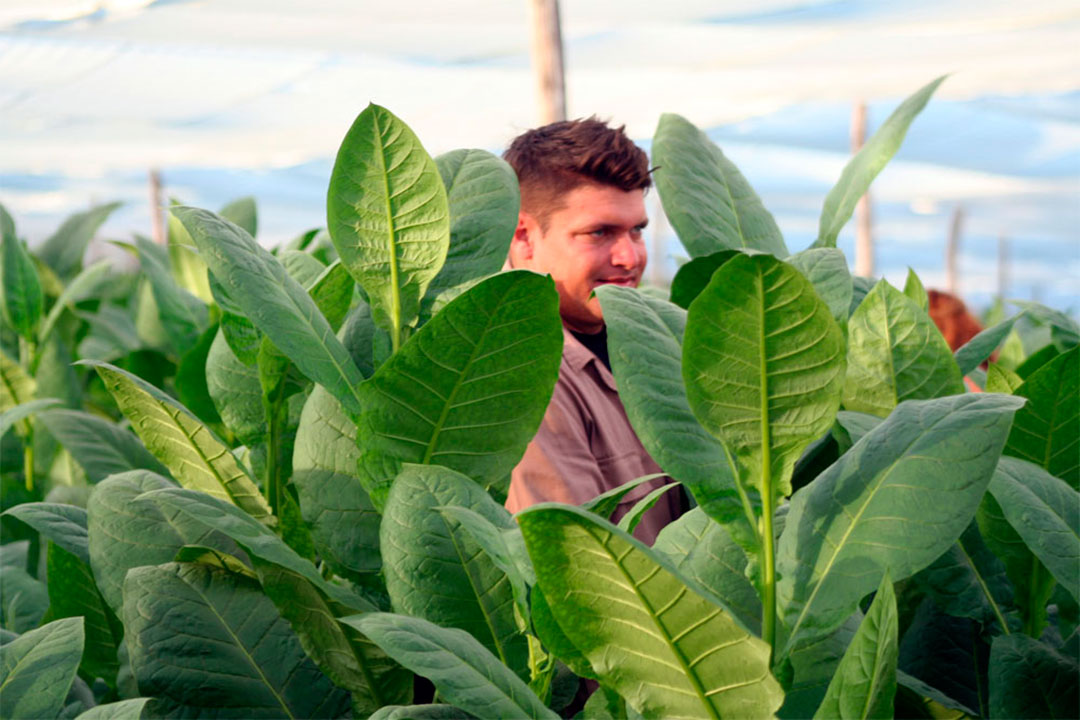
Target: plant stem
273, 467
768, 569
27, 360
28, 459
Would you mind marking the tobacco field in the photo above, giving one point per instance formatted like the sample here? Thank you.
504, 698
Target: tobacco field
243, 482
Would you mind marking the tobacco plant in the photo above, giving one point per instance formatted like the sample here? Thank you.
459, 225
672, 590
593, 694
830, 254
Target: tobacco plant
269, 483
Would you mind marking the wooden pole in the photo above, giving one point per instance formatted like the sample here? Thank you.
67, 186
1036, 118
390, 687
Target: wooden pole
952, 251
157, 224
864, 239
547, 51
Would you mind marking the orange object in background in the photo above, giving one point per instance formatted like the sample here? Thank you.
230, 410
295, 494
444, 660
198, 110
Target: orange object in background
955, 322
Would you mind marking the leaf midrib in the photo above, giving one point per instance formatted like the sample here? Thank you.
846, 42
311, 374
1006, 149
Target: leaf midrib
395, 290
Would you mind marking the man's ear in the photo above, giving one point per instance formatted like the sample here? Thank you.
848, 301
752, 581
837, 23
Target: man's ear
522, 244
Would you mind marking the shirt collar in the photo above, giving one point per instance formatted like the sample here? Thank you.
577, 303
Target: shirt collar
578, 357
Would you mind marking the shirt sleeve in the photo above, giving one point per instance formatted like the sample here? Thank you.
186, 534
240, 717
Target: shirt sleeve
558, 465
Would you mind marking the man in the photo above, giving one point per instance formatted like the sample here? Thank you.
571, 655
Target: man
581, 221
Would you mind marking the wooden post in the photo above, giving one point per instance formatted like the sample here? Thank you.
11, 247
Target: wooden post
547, 53
952, 251
157, 224
864, 240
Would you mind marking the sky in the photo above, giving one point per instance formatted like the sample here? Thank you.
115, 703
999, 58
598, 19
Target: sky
252, 97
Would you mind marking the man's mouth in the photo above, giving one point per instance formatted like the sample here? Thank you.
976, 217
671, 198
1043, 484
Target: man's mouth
623, 281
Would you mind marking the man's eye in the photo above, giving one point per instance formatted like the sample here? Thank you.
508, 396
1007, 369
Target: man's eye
599, 233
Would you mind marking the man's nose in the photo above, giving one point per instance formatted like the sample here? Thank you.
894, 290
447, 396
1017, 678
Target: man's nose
627, 252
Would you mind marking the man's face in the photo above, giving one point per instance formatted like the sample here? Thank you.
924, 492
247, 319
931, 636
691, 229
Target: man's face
594, 239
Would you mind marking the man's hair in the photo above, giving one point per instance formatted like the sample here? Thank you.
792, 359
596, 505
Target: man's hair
552, 160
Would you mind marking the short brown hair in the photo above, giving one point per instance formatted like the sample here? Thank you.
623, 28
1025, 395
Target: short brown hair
552, 160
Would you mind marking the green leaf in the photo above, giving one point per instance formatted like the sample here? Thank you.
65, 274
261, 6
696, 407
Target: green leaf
183, 315
351, 661
242, 212
257, 667
18, 387
969, 581
63, 251
766, 380
131, 709
37, 669
1029, 679
23, 599
420, 712
867, 163
73, 593
464, 672
854, 426
913, 288
660, 642
435, 570
482, 192
811, 666
80, 288
895, 502
126, 531
865, 682
827, 270
645, 342
193, 454
693, 275
553, 638
607, 502
388, 215
630, 520
22, 301
235, 390
254, 537
709, 203
1002, 380
274, 302
1047, 429
113, 334
1032, 582
190, 378
101, 447
1045, 512
332, 292
979, 348
895, 353
344, 523
18, 413
703, 551
468, 391
64, 525
188, 269
1063, 329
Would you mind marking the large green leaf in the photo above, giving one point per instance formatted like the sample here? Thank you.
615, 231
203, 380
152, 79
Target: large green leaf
101, 447
895, 502
73, 593
235, 390
693, 275
469, 390
131, 709
18, 413
1032, 582
645, 338
914, 289
865, 681
22, 301
126, 531
979, 348
1045, 512
196, 457
37, 669
867, 163
895, 353
190, 380
810, 667
1001, 379
435, 570
969, 580
18, 386
420, 712
343, 521
188, 269
659, 640
274, 302
1047, 430
183, 315
763, 364
63, 251
708, 201
242, 212
827, 271
23, 598
702, 550
388, 215
482, 191
63, 524
1029, 679
254, 537
464, 672
257, 667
